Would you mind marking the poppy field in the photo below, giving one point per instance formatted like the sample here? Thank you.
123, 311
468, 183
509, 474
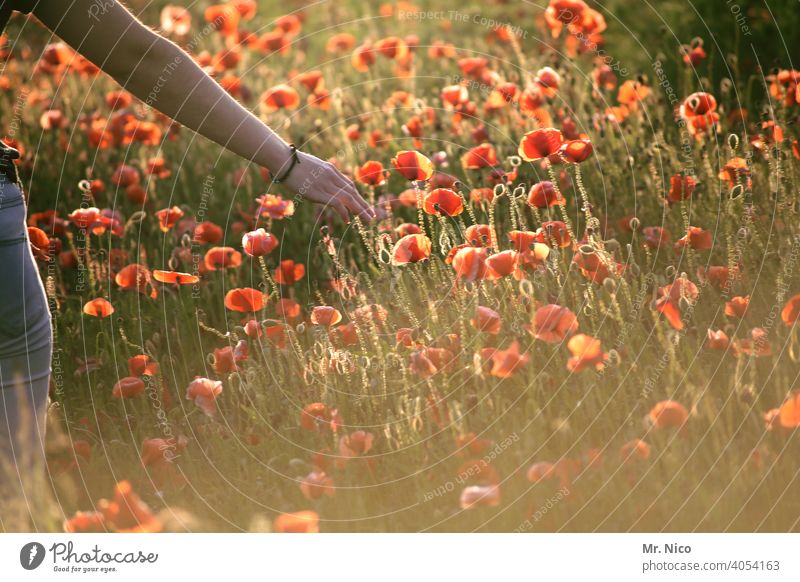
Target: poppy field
576, 310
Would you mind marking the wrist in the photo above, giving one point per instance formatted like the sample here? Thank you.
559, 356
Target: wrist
283, 173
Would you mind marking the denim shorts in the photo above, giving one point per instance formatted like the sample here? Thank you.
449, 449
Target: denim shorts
25, 325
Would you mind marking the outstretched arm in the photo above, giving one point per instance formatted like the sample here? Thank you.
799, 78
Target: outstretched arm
141, 60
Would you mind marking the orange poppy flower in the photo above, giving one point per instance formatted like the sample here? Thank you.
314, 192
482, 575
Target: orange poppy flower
475, 495
541, 143
299, 522
223, 17
506, 363
392, 47
274, 207
544, 194
340, 43
280, 97
411, 248
737, 306
470, 263
168, 217
142, 365
135, 277
126, 513
413, 165
717, 340
371, 173
289, 272
222, 258
288, 309
245, 300
481, 156
128, 387
634, 451
98, 308
541, 471
316, 484
290, 24
789, 412
259, 243
554, 233
86, 522
325, 315
576, 151
311, 80
698, 110
757, 345
501, 264
553, 323
656, 237
479, 235
276, 335
454, 95
125, 176
696, 238
668, 414
175, 20
443, 201
204, 392
734, 171
363, 57
681, 188
791, 311
175, 277
487, 320
670, 297
631, 92
586, 351
317, 417
207, 233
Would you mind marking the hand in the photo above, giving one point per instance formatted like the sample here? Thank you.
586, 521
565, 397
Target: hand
321, 182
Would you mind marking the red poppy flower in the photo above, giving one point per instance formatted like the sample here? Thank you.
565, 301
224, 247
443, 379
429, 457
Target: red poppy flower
98, 308
411, 248
553, 323
204, 393
791, 311
506, 363
280, 97
259, 243
470, 263
325, 315
371, 173
413, 165
128, 387
289, 272
244, 300
586, 351
487, 320
696, 238
299, 522
443, 201
668, 414
274, 207
541, 143
168, 217
481, 156
222, 258
175, 277
544, 194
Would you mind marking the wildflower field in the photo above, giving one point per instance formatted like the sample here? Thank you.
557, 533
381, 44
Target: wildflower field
576, 310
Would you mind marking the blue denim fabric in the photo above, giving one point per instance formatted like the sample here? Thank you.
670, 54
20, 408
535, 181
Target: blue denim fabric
26, 342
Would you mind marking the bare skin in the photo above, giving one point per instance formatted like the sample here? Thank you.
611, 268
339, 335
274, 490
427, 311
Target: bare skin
137, 58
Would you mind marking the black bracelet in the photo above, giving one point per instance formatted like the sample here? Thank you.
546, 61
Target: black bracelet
295, 161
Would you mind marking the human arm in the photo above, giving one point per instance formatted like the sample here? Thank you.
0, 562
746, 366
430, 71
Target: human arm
140, 60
